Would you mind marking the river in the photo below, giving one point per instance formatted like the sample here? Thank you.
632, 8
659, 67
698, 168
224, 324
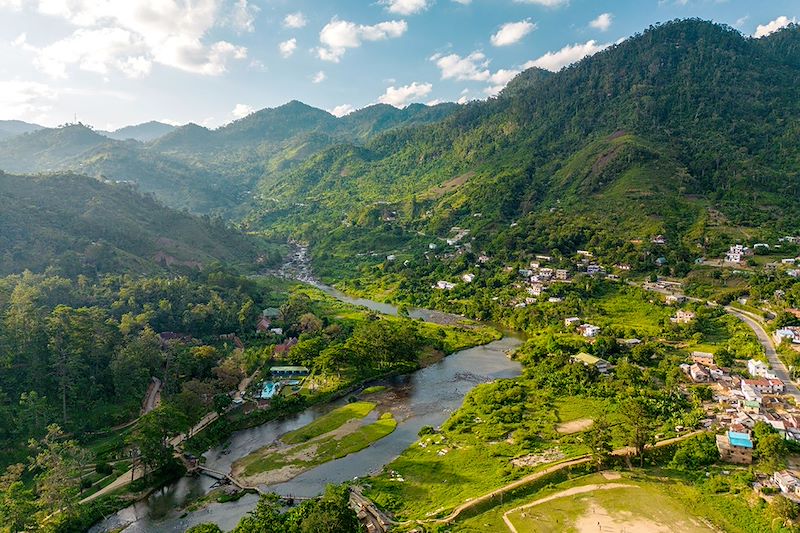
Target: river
426, 397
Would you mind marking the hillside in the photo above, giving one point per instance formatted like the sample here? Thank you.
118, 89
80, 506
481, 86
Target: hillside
79, 225
653, 136
148, 131
203, 170
10, 128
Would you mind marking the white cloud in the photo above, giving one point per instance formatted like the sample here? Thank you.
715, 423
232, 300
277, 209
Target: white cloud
295, 20
499, 80
400, 96
602, 22
25, 99
243, 15
13, 5
339, 35
463, 2
287, 48
512, 32
405, 7
474, 67
741, 21
545, 3
242, 110
131, 36
319, 77
566, 56
773, 26
341, 110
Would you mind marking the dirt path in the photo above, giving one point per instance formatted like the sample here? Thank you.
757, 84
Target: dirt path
563, 494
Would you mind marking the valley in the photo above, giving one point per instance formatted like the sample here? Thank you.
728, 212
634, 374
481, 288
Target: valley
570, 305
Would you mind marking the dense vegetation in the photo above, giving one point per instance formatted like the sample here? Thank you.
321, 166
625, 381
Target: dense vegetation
76, 225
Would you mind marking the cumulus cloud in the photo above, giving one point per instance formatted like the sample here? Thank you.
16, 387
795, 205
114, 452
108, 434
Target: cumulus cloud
295, 20
499, 80
566, 56
339, 35
405, 7
243, 15
602, 22
131, 36
341, 110
512, 32
23, 99
473, 67
242, 110
288, 47
762, 30
545, 3
13, 5
319, 77
401, 96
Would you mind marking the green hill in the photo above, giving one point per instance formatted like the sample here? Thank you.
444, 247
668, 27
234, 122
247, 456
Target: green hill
80, 225
649, 137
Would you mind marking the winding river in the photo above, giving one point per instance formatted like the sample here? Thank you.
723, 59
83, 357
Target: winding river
426, 397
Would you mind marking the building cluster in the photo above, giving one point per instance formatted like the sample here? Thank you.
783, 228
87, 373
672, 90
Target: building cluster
737, 253
584, 329
788, 334
744, 402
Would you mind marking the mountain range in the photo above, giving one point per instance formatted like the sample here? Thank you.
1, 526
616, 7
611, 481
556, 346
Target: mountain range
688, 130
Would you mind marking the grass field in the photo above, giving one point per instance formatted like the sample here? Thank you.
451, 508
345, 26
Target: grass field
630, 507
328, 422
631, 310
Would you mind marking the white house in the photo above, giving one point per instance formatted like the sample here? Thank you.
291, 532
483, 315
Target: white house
444, 285
588, 330
737, 253
759, 369
468, 278
572, 321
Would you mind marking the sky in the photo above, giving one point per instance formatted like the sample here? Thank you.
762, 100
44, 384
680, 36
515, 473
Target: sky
112, 63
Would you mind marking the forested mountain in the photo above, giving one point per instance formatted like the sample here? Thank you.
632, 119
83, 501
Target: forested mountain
79, 225
145, 132
206, 171
10, 128
688, 130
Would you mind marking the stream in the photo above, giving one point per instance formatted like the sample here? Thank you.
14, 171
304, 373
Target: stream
426, 397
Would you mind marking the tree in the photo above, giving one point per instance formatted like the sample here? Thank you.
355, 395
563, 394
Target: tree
265, 518
771, 448
153, 433
17, 503
695, 453
204, 528
599, 441
332, 513
58, 470
639, 424
132, 366
783, 508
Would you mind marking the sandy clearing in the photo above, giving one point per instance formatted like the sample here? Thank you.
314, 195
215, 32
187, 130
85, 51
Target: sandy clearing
582, 424
598, 519
563, 494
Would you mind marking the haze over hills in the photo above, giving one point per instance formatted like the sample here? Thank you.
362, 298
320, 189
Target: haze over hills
206, 170
145, 132
10, 128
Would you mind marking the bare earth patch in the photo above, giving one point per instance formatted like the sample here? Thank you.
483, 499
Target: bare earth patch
575, 426
598, 519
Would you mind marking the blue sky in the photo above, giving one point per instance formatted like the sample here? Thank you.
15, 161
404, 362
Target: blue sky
119, 62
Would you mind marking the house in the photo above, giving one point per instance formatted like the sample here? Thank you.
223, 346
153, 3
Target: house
698, 374
536, 289
282, 349
588, 330
562, 274
572, 321
787, 481
432, 246
703, 358
601, 365
483, 259
762, 386
391, 257
545, 258
525, 272
594, 269
289, 371
737, 253
789, 334
658, 239
759, 369
444, 285
276, 331
468, 278
546, 273
735, 447
675, 299
585, 253
263, 325
683, 317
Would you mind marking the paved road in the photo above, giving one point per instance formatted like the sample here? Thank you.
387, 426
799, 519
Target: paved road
153, 398
764, 338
